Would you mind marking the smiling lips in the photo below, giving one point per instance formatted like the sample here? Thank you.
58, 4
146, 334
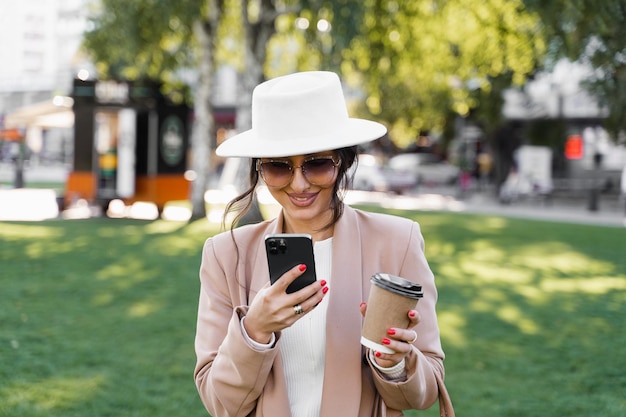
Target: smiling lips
302, 199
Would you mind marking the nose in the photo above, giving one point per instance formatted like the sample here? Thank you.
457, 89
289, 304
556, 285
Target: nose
298, 180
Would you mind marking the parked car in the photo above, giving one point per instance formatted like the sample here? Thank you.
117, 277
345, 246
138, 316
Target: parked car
425, 168
371, 175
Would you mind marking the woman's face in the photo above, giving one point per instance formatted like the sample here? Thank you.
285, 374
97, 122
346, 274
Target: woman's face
305, 192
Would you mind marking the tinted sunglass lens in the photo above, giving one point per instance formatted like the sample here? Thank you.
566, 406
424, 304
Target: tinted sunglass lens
319, 170
275, 172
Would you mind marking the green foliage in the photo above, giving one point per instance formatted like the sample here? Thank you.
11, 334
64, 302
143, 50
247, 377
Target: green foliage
144, 39
98, 316
419, 60
416, 62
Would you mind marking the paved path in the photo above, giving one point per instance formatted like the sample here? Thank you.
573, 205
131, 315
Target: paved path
610, 209
609, 212
42, 173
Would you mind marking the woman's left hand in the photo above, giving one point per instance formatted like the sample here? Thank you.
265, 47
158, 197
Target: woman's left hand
398, 339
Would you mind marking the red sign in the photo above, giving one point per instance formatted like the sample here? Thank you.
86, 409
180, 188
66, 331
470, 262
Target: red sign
574, 147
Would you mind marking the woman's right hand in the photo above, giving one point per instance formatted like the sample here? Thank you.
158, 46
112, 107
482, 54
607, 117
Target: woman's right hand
273, 309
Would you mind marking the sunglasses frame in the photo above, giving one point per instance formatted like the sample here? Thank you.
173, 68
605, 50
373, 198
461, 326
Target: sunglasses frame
292, 168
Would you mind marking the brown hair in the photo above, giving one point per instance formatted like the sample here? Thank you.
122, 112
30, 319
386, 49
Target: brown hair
242, 203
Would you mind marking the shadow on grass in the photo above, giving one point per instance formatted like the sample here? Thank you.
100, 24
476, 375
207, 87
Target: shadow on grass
531, 314
98, 316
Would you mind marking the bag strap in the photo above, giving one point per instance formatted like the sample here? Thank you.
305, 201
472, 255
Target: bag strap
445, 403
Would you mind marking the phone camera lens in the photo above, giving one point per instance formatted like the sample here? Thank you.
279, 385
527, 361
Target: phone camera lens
272, 247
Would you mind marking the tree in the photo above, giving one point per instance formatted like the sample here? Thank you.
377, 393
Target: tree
144, 39
414, 65
205, 28
259, 25
156, 39
421, 62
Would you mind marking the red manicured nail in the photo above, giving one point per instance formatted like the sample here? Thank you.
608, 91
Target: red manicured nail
323, 282
362, 304
386, 341
377, 354
391, 332
325, 290
302, 267
412, 313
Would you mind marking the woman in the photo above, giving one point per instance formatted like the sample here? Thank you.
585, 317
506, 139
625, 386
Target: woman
264, 352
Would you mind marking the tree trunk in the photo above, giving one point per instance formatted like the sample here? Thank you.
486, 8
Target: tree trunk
256, 36
257, 33
203, 133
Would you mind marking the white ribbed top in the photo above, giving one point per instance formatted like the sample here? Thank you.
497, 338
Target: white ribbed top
303, 346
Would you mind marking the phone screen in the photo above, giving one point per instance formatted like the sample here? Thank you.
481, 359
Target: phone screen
284, 251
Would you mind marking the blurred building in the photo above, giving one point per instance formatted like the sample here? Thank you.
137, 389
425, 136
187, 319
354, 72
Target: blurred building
556, 107
40, 57
40, 43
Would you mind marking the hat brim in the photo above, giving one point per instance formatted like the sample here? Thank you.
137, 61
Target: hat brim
248, 145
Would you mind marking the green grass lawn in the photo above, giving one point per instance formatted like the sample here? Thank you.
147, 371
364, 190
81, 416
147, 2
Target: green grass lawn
97, 317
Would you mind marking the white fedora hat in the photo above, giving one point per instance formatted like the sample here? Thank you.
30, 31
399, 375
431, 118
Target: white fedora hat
299, 114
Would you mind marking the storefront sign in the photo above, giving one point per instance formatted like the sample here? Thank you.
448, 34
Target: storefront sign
172, 141
112, 92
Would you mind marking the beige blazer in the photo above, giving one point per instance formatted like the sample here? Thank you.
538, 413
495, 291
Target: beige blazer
234, 379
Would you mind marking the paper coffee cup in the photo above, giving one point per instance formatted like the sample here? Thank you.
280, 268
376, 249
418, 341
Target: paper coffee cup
391, 297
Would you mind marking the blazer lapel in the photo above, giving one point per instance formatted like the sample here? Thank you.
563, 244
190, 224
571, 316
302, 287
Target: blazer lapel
274, 402
341, 394
261, 275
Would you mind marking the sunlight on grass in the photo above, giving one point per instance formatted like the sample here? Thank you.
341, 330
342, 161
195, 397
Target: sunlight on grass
29, 231
103, 299
180, 243
202, 228
484, 250
163, 226
532, 293
143, 308
497, 272
513, 315
559, 257
98, 316
43, 248
452, 326
124, 232
173, 246
588, 285
491, 225
489, 298
441, 248
54, 393
126, 273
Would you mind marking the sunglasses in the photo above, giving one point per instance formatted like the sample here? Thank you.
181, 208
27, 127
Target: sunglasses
318, 170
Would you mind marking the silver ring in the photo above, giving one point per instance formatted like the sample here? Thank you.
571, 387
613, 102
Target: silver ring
414, 339
298, 310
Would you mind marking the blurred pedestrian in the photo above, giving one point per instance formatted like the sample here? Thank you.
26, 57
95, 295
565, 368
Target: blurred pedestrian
264, 352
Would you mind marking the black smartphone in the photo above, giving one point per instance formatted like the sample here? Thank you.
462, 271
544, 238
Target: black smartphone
286, 250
